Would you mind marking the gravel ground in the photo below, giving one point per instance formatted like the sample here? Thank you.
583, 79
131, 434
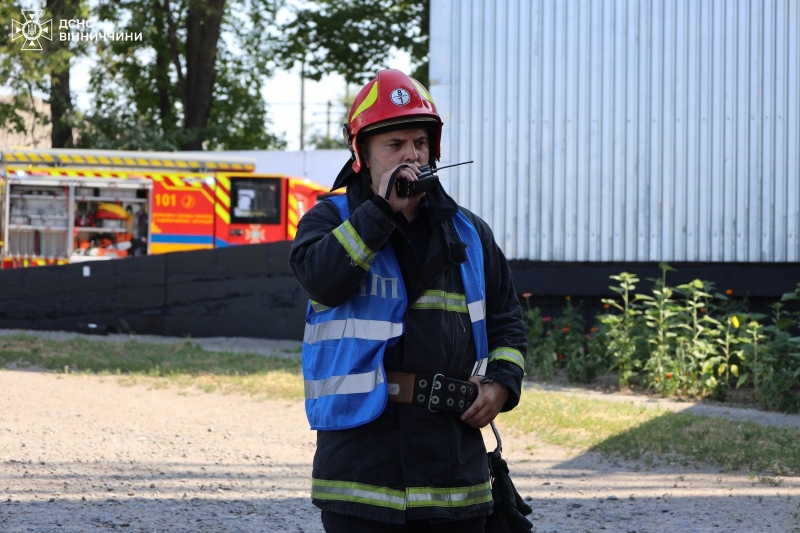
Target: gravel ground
85, 454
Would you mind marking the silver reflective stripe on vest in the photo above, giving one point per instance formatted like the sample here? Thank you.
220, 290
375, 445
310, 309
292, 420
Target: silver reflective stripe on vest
349, 384
480, 367
371, 330
477, 310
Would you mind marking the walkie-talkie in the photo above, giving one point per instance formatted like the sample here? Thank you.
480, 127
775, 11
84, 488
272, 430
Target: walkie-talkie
427, 180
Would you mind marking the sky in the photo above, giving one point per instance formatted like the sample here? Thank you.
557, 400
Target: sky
282, 93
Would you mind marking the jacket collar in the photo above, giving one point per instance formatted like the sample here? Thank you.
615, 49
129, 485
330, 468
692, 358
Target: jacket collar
344, 175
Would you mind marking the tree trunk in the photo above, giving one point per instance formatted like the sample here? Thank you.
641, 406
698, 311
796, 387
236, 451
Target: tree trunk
202, 34
162, 86
60, 109
163, 82
60, 98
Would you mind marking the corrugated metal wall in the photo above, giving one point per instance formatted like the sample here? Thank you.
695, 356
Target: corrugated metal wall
624, 130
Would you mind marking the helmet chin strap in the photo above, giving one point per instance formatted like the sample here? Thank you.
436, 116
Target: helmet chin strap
393, 178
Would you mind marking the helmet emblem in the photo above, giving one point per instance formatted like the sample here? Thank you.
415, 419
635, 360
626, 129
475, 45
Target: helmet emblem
400, 97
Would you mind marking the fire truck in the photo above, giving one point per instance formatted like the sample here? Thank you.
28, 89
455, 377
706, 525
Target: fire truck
66, 205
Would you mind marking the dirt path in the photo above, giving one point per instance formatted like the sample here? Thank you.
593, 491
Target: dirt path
85, 454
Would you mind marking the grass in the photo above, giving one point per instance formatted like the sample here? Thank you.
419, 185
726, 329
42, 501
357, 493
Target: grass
159, 365
614, 429
653, 435
731, 445
575, 423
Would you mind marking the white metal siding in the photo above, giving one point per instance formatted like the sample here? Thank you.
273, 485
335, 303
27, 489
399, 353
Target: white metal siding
624, 130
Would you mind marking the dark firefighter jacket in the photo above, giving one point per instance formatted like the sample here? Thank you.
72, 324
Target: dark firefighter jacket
410, 463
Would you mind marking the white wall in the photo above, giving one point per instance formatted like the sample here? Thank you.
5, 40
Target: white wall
624, 130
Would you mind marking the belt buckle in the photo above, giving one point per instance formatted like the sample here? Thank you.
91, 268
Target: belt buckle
434, 388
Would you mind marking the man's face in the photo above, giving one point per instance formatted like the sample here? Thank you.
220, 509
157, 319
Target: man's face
385, 151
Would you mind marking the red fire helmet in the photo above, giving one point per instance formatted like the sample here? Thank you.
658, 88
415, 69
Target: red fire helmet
392, 99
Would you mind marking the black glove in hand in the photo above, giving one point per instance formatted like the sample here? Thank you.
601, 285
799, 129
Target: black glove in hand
509, 509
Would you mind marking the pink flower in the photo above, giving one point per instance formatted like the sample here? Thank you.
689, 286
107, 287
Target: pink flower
547, 319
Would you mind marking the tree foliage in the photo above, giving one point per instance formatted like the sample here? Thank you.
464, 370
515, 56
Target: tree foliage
31, 73
355, 38
193, 81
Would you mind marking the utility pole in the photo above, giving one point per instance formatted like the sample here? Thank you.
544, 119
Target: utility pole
302, 105
328, 132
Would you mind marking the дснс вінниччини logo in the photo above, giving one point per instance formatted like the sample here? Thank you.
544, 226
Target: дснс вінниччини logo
32, 30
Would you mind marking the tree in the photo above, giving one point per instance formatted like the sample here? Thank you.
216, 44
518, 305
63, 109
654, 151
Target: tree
183, 86
62, 112
355, 38
30, 71
194, 79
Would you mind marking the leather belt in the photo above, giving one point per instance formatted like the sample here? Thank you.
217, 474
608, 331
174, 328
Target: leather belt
435, 392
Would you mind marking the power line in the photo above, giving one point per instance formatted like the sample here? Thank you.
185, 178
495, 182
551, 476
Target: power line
306, 104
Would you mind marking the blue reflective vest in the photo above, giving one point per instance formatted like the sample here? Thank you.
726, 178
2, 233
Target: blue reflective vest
343, 346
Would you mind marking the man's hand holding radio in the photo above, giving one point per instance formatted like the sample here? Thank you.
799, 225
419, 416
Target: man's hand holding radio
408, 204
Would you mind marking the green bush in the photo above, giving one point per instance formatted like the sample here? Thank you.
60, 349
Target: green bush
620, 346
688, 340
561, 342
540, 362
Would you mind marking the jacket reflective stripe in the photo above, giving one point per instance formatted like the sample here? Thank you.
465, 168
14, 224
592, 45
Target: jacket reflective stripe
318, 307
348, 237
507, 354
448, 301
358, 493
348, 384
372, 330
449, 497
400, 500
477, 310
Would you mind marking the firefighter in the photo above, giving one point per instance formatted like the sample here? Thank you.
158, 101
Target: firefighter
411, 301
